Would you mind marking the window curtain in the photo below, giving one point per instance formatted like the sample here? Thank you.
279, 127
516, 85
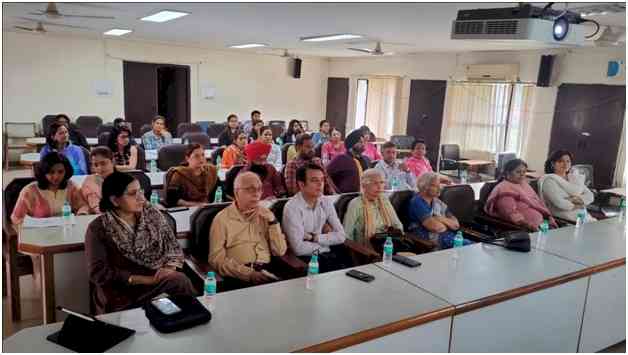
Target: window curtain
620, 167
476, 116
380, 105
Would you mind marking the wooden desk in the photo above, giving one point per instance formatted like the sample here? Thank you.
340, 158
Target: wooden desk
339, 313
29, 158
474, 163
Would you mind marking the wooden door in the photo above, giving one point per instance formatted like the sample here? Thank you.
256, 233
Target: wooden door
173, 95
425, 114
140, 94
588, 122
337, 102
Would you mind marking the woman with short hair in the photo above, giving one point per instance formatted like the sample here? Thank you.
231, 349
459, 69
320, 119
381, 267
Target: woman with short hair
58, 140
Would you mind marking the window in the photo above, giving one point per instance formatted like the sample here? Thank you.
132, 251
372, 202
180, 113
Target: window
375, 104
486, 117
360, 103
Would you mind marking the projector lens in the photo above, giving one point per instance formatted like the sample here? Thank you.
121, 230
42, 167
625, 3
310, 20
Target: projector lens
561, 28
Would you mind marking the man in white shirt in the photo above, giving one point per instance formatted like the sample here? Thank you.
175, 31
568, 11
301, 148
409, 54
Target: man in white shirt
311, 224
395, 173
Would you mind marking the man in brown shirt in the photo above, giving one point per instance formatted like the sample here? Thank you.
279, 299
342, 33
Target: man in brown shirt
245, 235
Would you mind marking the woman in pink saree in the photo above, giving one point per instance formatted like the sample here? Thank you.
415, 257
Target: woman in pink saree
514, 200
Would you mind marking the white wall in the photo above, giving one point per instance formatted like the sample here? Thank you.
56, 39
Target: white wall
583, 66
52, 74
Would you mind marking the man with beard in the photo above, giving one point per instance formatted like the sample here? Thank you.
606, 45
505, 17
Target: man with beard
272, 183
346, 169
305, 149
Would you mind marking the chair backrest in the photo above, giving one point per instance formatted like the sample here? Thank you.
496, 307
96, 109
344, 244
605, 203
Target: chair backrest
229, 180
182, 128
402, 141
460, 200
20, 129
144, 181
400, 201
278, 128
88, 125
145, 128
204, 125
534, 184
200, 223
171, 221
502, 159
215, 129
217, 153
88, 160
284, 152
450, 151
141, 159
105, 127
196, 137
11, 193
277, 209
342, 203
170, 155
103, 138
45, 123
587, 171
485, 191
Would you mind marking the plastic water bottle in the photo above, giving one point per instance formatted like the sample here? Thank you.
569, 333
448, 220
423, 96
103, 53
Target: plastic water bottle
209, 290
153, 166
544, 227
394, 183
388, 252
458, 240
218, 163
66, 213
154, 199
463, 176
312, 271
580, 217
622, 210
218, 196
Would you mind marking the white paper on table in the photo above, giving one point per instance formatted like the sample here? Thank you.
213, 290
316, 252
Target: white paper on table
135, 320
32, 222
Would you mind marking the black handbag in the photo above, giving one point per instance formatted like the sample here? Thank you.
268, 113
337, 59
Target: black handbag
401, 243
192, 313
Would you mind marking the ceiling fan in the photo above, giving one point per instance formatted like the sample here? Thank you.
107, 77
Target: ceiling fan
39, 28
52, 12
376, 51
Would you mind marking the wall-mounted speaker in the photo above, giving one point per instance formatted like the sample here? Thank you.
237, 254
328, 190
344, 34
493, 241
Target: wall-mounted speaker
545, 70
297, 68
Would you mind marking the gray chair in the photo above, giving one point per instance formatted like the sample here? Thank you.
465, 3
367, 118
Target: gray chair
402, 141
45, 123
88, 125
196, 137
170, 155
14, 137
502, 159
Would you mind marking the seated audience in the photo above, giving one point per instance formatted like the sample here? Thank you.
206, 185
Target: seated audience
247, 126
234, 154
305, 149
244, 236
158, 136
311, 224
370, 149
562, 189
322, 136
131, 250
514, 200
255, 131
192, 183
45, 196
346, 169
229, 135
121, 122
274, 156
371, 212
418, 162
76, 137
102, 166
429, 217
294, 129
58, 141
394, 170
257, 156
125, 155
333, 147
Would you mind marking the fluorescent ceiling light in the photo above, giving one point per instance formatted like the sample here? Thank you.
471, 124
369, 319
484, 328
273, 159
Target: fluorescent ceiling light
117, 32
248, 45
163, 16
335, 37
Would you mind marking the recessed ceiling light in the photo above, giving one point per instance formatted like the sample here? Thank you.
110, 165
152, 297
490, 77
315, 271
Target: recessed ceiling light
163, 16
335, 37
248, 45
117, 32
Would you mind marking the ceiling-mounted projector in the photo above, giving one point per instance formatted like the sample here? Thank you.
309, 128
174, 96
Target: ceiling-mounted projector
523, 23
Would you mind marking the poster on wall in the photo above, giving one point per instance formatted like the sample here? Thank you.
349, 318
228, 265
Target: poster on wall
103, 88
208, 91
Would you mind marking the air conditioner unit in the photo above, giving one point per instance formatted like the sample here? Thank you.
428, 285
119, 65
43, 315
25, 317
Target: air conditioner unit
492, 72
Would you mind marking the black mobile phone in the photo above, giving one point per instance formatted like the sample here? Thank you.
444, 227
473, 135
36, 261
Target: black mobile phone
177, 209
406, 261
362, 276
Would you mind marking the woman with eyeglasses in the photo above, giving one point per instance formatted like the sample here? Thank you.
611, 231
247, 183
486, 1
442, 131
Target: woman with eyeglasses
125, 155
58, 140
234, 154
102, 166
131, 250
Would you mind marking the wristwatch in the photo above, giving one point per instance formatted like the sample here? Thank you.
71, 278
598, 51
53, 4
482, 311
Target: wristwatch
130, 280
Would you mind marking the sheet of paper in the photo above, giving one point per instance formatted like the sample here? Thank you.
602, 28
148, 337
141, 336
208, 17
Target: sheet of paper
31, 222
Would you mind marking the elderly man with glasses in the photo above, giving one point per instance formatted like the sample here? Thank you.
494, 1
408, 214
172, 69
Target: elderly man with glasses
245, 236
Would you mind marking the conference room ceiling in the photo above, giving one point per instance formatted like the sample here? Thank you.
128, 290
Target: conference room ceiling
403, 28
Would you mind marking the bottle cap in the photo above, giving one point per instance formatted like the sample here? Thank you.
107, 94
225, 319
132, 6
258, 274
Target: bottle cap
314, 257
211, 274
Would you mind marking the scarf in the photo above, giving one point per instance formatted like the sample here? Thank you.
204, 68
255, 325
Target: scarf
369, 219
520, 192
152, 244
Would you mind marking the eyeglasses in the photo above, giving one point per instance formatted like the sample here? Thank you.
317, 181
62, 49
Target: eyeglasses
139, 194
251, 189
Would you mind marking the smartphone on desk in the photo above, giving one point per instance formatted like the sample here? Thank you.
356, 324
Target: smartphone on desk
166, 306
362, 276
405, 261
177, 209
